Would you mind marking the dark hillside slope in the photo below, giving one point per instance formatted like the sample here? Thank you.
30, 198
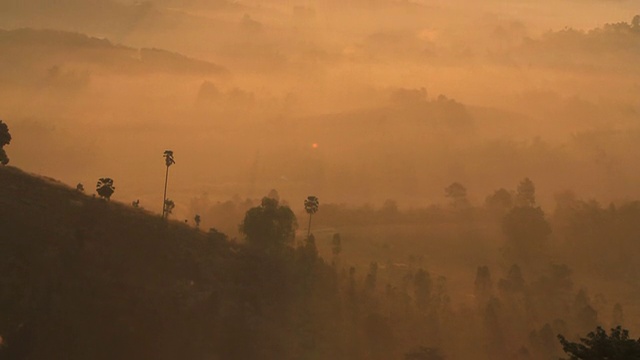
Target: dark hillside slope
82, 278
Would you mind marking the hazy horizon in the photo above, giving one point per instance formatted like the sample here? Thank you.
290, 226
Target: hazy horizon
443, 139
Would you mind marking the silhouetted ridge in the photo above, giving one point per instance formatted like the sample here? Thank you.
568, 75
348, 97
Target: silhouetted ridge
35, 45
79, 270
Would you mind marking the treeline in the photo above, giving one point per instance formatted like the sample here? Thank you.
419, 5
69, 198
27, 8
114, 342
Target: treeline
594, 47
85, 278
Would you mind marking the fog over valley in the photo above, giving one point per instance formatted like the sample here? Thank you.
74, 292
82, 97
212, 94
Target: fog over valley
476, 166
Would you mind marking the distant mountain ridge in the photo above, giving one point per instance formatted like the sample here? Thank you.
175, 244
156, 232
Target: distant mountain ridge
53, 47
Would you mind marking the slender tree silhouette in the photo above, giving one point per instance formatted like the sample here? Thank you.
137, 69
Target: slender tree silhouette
168, 160
311, 206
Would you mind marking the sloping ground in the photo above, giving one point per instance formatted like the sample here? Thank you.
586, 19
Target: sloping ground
82, 278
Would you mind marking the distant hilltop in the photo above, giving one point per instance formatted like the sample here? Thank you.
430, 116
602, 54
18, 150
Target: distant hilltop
53, 48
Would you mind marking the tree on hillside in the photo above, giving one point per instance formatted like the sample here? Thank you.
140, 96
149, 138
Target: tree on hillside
105, 188
273, 194
457, 194
168, 160
169, 205
526, 193
635, 23
197, 220
5, 139
311, 207
500, 201
483, 285
269, 225
525, 226
526, 231
598, 345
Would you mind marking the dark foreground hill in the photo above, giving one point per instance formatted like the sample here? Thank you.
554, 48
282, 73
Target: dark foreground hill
83, 278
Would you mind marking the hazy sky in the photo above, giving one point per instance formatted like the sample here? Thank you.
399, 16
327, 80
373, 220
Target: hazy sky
241, 91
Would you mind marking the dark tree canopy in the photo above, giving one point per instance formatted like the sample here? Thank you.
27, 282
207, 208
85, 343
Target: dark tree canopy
526, 224
598, 345
169, 205
501, 200
458, 195
526, 193
105, 188
527, 231
5, 139
4, 159
311, 205
269, 225
168, 158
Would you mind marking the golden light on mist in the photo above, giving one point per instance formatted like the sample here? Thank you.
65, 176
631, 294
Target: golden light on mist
431, 113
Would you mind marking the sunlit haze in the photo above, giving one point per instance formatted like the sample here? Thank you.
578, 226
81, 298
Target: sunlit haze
377, 107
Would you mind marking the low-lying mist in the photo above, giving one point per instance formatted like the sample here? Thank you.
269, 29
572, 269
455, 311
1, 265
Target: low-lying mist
378, 108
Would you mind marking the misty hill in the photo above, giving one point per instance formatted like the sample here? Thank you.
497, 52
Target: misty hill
96, 16
612, 47
26, 51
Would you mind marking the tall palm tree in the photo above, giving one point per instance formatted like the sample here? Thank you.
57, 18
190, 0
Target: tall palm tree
168, 160
311, 206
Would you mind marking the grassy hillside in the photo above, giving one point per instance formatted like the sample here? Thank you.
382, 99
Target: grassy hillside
83, 278
86, 278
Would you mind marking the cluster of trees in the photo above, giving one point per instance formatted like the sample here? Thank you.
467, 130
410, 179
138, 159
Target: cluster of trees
105, 188
162, 290
271, 296
599, 345
592, 45
511, 317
